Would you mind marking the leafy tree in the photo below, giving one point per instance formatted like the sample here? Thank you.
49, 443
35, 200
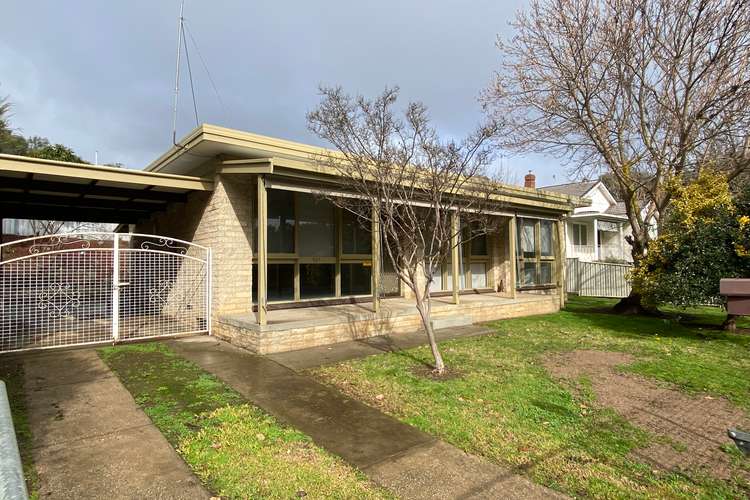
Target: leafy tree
55, 152
704, 237
644, 90
10, 142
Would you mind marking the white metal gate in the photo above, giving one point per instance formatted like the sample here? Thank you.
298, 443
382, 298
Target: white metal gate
92, 287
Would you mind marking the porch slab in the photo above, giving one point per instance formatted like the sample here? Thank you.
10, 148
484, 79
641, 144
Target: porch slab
302, 328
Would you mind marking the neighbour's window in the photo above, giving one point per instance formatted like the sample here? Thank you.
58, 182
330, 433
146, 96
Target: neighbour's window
536, 252
580, 235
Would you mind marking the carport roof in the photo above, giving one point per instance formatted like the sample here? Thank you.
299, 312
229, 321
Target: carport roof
34, 188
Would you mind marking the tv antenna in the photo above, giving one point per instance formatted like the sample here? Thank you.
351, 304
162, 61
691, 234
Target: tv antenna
181, 42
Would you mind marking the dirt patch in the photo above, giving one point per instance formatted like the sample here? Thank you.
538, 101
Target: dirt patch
694, 427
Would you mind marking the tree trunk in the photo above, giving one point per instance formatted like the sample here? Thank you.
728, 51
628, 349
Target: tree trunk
630, 305
426, 315
730, 324
633, 303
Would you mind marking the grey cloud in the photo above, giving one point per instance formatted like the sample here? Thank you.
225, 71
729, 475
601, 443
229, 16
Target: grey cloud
99, 75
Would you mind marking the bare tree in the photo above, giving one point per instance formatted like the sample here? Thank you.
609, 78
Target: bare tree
649, 91
407, 180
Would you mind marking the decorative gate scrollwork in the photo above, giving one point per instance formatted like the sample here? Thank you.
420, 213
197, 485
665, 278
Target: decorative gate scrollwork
88, 288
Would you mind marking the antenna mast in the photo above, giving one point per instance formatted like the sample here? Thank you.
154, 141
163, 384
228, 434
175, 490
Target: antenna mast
177, 73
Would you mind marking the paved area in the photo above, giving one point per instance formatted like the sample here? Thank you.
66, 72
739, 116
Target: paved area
411, 463
304, 359
90, 439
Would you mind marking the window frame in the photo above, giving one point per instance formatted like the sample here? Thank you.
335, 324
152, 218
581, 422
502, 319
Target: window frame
296, 259
538, 259
579, 230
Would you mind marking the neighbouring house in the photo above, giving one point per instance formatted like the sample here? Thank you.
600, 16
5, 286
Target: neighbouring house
596, 232
255, 202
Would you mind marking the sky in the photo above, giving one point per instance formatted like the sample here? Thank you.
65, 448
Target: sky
99, 76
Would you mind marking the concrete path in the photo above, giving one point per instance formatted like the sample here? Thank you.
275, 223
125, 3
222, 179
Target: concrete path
90, 439
304, 359
400, 457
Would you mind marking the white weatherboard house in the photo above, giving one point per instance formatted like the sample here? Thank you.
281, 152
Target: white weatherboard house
596, 232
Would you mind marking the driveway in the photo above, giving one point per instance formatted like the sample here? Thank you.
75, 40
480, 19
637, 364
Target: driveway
90, 439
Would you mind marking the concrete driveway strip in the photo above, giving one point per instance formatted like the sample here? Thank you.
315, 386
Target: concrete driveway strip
90, 439
398, 456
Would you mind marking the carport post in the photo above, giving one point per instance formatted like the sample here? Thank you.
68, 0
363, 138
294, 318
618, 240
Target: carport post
513, 251
376, 256
262, 214
455, 255
115, 287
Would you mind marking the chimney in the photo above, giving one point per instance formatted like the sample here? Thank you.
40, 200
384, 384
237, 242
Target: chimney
529, 180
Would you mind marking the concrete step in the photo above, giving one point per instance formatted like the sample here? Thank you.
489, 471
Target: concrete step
452, 321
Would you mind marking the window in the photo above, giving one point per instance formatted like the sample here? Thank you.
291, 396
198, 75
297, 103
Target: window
279, 282
545, 238
355, 238
474, 263
527, 238
281, 221
356, 279
580, 234
479, 245
315, 249
317, 281
317, 229
478, 275
536, 252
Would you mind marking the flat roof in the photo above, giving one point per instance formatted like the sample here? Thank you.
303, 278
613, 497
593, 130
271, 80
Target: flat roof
35, 188
198, 151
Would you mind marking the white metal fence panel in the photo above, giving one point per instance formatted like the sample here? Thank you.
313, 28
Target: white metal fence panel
597, 279
89, 288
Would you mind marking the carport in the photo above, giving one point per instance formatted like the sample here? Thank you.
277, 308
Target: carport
91, 287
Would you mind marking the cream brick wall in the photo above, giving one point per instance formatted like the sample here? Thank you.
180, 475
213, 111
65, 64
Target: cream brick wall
219, 220
266, 342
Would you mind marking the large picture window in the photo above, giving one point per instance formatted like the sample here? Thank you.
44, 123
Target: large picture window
536, 252
315, 250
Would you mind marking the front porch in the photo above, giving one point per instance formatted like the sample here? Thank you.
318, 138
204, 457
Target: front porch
292, 329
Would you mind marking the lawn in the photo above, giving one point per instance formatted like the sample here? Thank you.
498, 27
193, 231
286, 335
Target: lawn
502, 402
236, 449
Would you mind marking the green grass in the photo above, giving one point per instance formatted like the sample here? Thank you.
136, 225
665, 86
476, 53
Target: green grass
11, 372
236, 449
505, 406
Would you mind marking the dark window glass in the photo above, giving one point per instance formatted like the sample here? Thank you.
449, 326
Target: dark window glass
279, 282
255, 283
479, 245
317, 280
356, 279
317, 229
356, 239
280, 221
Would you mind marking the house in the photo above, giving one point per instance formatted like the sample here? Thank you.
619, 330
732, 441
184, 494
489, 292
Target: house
596, 232
303, 273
